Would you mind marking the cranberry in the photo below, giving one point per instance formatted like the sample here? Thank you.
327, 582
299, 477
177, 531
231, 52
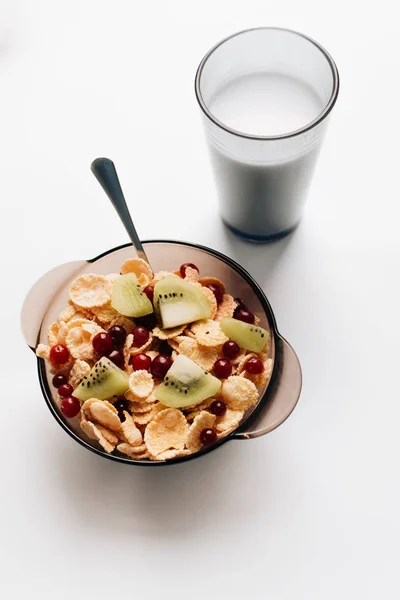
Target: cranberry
208, 437
217, 291
121, 405
141, 361
231, 349
222, 368
160, 365
165, 348
149, 291
118, 335
102, 343
70, 407
117, 357
185, 266
254, 366
65, 390
218, 408
140, 336
59, 380
242, 314
59, 354
240, 303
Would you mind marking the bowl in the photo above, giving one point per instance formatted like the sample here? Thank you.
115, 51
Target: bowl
49, 296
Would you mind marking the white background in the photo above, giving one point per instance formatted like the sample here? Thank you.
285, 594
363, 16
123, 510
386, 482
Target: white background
310, 511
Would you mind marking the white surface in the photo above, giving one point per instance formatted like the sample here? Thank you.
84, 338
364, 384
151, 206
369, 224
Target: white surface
310, 511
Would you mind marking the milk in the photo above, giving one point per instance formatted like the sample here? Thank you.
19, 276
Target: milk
262, 184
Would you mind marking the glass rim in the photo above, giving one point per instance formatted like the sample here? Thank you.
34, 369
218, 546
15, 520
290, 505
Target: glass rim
319, 118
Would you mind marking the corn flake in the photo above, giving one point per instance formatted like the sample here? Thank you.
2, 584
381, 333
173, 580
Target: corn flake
109, 435
169, 454
168, 430
239, 393
161, 275
229, 421
79, 341
106, 414
145, 417
141, 384
204, 357
129, 433
57, 333
68, 313
126, 351
226, 308
212, 300
166, 334
43, 351
94, 433
204, 420
208, 333
105, 314
88, 291
191, 275
139, 267
79, 370
137, 452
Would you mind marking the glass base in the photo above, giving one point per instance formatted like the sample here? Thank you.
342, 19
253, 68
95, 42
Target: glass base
260, 239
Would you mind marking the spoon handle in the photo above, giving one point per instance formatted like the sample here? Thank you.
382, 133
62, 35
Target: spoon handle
106, 174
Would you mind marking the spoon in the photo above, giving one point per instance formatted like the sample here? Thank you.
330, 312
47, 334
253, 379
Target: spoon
104, 171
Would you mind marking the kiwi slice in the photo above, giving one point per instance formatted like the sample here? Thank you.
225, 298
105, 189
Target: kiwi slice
178, 302
186, 384
104, 381
128, 299
249, 337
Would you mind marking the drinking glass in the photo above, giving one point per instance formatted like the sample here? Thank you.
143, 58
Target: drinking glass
265, 96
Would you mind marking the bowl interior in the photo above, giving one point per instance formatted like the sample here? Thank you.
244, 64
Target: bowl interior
163, 256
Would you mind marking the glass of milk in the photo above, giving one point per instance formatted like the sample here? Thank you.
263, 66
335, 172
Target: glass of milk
265, 95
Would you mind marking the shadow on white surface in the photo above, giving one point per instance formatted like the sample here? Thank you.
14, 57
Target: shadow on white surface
176, 501
261, 260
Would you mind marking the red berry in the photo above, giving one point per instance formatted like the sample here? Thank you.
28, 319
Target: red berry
241, 314
217, 291
160, 365
240, 303
141, 361
59, 380
208, 437
222, 368
70, 407
218, 408
121, 405
59, 354
117, 358
149, 291
231, 349
102, 343
118, 335
140, 336
65, 390
185, 266
254, 366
